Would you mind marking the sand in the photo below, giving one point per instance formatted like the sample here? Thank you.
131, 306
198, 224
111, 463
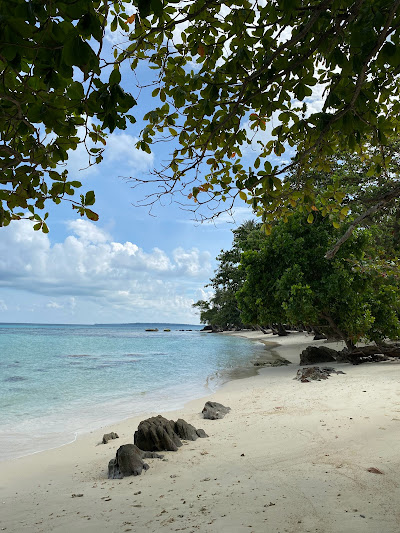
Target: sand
289, 457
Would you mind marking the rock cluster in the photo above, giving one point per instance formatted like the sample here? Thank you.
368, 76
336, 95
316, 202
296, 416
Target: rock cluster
157, 434
305, 375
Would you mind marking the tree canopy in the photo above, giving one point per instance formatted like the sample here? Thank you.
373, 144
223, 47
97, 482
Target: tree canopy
227, 73
222, 309
289, 280
51, 87
230, 72
285, 278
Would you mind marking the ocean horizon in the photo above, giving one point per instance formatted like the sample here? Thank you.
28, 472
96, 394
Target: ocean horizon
62, 380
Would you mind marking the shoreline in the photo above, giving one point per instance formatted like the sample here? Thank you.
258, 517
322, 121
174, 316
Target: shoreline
213, 383
288, 457
47, 428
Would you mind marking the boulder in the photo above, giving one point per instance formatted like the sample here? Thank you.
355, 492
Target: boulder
129, 461
320, 337
109, 436
184, 430
214, 410
318, 354
157, 433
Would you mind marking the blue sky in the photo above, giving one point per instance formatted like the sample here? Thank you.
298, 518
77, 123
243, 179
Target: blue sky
128, 267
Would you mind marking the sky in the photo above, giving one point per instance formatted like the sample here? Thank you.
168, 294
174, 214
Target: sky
130, 266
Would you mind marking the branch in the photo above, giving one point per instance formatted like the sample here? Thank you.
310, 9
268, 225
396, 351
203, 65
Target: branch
388, 197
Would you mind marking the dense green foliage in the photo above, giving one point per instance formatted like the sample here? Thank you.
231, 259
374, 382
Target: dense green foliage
285, 278
289, 280
222, 308
51, 85
227, 72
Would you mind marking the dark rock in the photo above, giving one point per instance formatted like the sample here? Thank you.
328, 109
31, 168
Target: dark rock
207, 328
305, 375
214, 410
157, 433
109, 436
184, 430
320, 337
318, 354
201, 433
129, 461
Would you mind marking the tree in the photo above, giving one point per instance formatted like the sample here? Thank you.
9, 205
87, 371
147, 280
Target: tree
222, 308
228, 70
289, 279
225, 72
53, 97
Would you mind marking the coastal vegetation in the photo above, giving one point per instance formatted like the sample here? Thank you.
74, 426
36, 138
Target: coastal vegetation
283, 77
286, 278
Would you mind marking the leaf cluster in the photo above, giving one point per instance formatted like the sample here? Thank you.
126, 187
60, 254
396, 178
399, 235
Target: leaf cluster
246, 72
52, 90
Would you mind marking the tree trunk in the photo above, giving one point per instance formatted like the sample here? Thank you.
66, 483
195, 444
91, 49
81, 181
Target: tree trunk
349, 343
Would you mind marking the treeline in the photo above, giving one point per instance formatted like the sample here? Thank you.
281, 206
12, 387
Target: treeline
284, 278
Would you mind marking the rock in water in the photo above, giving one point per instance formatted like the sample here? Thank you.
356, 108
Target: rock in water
214, 410
157, 433
318, 354
128, 462
109, 436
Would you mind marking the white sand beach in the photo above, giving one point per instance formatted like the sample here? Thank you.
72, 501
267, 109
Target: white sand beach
289, 457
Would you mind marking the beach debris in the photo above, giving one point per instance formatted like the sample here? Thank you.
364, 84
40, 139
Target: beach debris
374, 470
109, 436
214, 410
157, 434
129, 461
318, 354
76, 495
305, 375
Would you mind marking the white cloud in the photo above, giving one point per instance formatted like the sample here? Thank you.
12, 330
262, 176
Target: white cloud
86, 231
88, 268
121, 148
54, 305
3, 305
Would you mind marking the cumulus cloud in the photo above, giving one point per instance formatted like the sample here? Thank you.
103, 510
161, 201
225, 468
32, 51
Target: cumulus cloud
89, 265
121, 148
3, 306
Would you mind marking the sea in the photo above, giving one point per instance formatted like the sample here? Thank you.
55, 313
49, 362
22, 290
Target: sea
60, 381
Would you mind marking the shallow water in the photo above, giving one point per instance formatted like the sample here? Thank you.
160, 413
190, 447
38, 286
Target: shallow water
57, 381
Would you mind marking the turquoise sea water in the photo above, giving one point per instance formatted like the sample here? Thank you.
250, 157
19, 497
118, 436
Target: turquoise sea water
58, 381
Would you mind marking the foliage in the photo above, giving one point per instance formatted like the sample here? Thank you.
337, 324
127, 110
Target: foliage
53, 98
366, 198
230, 71
226, 74
222, 309
289, 279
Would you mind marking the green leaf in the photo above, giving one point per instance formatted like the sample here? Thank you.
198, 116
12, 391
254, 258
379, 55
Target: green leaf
115, 77
89, 198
